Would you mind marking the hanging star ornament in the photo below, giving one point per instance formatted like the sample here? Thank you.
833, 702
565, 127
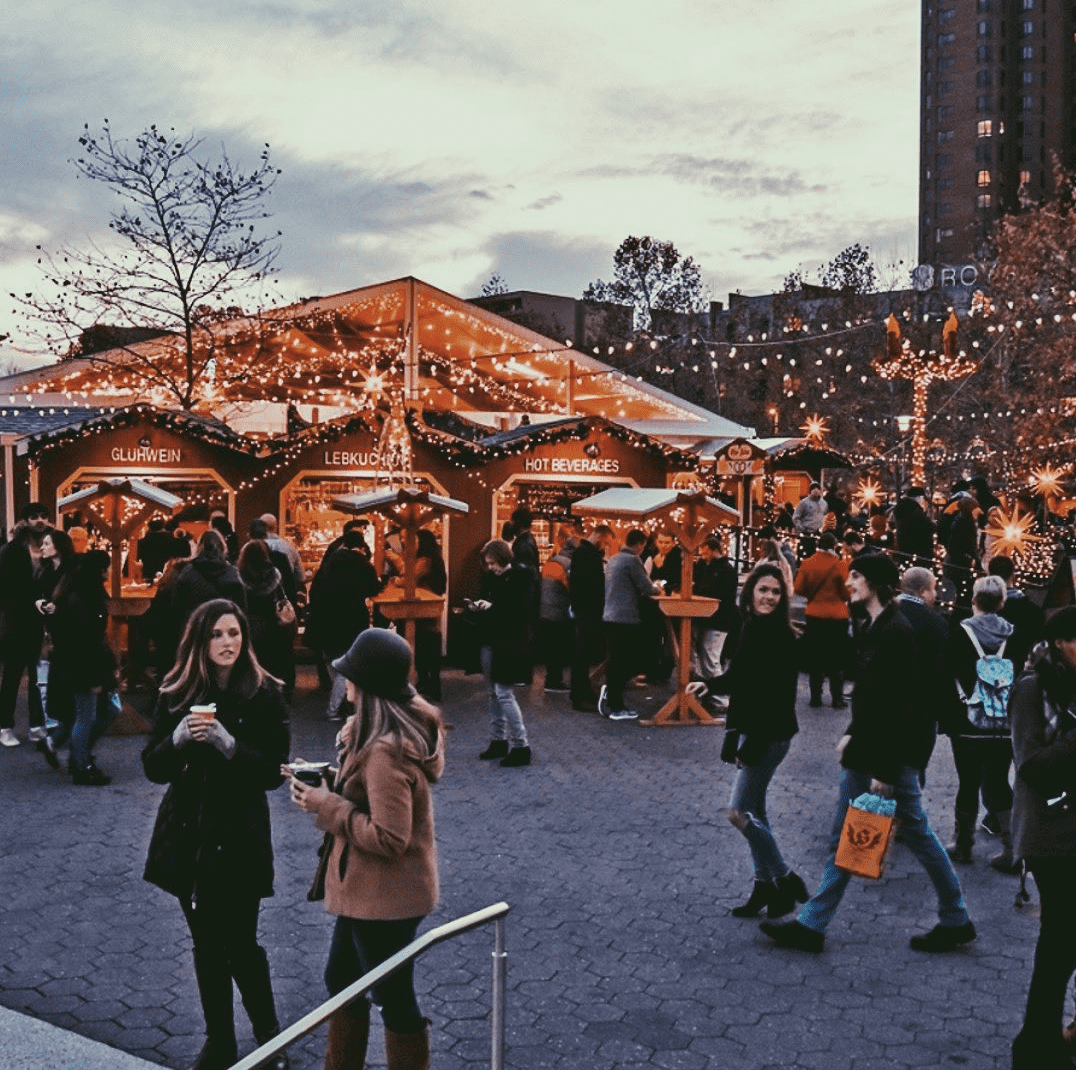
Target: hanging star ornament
867, 493
816, 428
1012, 532
1047, 481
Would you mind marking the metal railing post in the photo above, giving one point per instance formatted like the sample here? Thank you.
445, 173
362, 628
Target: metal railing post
500, 964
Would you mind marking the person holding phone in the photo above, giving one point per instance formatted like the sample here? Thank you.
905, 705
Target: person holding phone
381, 876
219, 736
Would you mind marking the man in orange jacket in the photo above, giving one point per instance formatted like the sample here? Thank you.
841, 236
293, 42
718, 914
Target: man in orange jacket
821, 580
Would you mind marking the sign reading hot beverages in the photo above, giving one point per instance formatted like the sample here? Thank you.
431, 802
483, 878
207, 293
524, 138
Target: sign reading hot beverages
566, 466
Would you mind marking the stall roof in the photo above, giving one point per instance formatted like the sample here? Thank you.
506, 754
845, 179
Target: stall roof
642, 501
342, 352
135, 488
390, 497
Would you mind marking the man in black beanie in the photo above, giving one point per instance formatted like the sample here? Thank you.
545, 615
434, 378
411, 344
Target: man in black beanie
882, 752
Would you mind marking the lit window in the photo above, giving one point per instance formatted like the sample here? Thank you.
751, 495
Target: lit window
1028, 78
1025, 178
943, 232
1027, 103
1028, 28
1027, 52
985, 127
984, 28
946, 39
946, 14
984, 6
1029, 5
984, 178
983, 200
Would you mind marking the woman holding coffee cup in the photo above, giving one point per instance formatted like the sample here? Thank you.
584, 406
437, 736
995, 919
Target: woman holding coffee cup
381, 877
219, 736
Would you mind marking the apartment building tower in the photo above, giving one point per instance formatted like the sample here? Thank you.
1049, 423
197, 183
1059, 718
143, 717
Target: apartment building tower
996, 105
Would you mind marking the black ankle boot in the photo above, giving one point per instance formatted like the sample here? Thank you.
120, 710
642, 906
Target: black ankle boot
790, 890
762, 895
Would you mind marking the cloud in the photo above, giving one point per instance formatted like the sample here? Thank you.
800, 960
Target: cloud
545, 202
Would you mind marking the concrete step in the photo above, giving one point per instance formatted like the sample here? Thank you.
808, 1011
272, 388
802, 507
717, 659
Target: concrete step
28, 1044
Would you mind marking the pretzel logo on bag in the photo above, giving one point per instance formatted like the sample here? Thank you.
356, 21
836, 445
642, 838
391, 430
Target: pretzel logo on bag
865, 839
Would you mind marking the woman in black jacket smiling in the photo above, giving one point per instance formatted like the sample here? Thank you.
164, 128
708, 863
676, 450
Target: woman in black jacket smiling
212, 846
761, 685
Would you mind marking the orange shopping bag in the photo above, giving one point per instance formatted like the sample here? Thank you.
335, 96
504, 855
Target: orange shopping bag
865, 836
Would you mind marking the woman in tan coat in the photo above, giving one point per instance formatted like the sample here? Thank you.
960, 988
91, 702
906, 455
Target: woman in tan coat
381, 879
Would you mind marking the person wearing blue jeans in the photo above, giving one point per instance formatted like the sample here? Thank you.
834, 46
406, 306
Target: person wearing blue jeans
503, 617
883, 751
761, 684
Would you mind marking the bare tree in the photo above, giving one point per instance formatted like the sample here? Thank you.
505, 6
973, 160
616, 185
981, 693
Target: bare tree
494, 285
649, 274
189, 254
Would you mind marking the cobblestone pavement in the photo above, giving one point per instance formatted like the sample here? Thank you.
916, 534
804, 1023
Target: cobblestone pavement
620, 868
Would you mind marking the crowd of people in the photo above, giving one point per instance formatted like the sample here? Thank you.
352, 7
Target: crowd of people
993, 675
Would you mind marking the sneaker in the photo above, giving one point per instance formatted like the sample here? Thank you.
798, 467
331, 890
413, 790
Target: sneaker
944, 938
603, 701
8, 738
37, 733
622, 715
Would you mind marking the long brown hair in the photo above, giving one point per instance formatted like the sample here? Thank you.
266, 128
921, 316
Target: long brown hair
414, 725
191, 679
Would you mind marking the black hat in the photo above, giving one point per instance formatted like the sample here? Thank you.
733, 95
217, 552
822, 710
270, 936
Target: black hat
877, 569
915, 492
379, 663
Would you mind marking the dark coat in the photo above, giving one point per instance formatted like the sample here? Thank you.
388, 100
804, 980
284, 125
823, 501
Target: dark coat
505, 626
212, 835
670, 570
761, 683
271, 640
1044, 752
915, 530
1027, 620
338, 610
890, 727
81, 657
717, 579
931, 633
586, 582
201, 581
20, 622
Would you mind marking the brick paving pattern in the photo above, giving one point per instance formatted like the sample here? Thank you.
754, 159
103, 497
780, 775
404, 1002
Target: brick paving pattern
620, 868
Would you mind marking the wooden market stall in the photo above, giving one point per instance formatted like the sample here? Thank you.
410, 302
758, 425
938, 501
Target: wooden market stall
689, 517
411, 508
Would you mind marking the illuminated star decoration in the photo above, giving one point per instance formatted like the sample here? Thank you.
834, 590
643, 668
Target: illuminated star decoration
868, 493
1012, 532
1047, 481
816, 428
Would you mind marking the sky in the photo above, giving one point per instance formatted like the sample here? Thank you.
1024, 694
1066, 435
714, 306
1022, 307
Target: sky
457, 139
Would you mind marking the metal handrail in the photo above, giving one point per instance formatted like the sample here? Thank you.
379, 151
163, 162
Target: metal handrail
495, 913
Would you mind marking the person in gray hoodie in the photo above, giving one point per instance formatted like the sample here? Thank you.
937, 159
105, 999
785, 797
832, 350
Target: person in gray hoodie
982, 756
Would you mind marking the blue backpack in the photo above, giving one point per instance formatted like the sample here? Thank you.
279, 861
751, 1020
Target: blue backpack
988, 703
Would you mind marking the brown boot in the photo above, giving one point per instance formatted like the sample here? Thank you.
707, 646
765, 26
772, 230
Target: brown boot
407, 1051
349, 1030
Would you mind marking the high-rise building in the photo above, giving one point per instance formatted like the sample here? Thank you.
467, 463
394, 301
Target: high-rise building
996, 105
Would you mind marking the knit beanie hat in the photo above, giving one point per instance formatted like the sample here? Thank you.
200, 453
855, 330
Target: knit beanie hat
877, 569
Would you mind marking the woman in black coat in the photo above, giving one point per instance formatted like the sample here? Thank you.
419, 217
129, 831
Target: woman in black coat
503, 614
274, 645
212, 845
1043, 712
82, 666
761, 684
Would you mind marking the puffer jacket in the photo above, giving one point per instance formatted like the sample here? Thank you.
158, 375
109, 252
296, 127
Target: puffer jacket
383, 859
212, 836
